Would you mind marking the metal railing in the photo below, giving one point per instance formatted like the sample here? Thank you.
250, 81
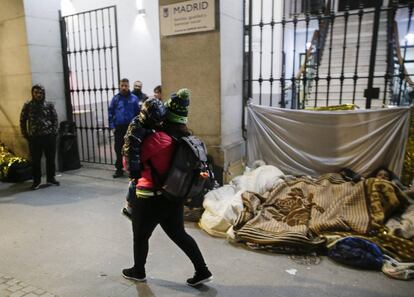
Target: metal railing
345, 50
401, 84
91, 71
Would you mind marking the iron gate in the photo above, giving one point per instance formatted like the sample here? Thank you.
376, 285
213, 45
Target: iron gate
91, 71
315, 53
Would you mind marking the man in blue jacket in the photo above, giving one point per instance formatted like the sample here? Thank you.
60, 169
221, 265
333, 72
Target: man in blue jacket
123, 108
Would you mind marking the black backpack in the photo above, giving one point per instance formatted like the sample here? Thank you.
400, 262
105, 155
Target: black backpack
189, 170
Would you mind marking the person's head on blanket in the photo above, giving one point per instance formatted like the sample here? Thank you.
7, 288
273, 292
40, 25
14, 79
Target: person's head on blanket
383, 173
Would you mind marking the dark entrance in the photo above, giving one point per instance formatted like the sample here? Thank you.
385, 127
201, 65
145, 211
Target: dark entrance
356, 4
91, 70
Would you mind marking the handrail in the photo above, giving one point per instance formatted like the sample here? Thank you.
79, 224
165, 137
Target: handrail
308, 54
399, 56
315, 40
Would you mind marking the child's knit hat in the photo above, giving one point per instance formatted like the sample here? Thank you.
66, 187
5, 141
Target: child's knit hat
177, 106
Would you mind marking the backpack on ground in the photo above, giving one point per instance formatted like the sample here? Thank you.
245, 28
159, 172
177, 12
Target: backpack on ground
358, 252
189, 171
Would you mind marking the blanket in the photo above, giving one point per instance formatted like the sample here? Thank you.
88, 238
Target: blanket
304, 211
223, 205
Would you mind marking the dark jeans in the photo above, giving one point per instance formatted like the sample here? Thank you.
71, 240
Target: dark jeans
119, 134
39, 145
147, 213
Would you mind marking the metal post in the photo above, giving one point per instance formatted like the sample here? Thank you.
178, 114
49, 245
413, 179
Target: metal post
282, 78
373, 55
64, 45
250, 55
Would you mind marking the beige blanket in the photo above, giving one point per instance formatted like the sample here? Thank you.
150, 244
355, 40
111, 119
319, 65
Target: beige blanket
302, 211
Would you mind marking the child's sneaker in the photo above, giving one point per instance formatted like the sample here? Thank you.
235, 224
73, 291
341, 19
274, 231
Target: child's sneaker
127, 212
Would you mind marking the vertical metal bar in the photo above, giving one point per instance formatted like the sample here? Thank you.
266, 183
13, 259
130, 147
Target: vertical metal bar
346, 15
101, 89
305, 73
373, 55
388, 77
318, 57
88, 90
250, 56
72, 68
64, 46
96, 126
117, 51
105, 47
282, 77
246, 82
410, 14
76, 89
83, 90
111, 47
295, 98
328, 77
355, 77
261, 52
272, 25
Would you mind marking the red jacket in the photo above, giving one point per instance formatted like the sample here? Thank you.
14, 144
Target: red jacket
159, 148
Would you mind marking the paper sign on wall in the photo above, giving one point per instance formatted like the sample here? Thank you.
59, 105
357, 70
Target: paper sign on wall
187, 17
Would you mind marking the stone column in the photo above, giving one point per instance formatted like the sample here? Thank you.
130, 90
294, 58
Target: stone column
15, 73
30, 53
210, 65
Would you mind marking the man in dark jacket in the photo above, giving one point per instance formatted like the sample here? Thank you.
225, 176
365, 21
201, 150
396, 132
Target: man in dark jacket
137, 91
123, 108
38, 124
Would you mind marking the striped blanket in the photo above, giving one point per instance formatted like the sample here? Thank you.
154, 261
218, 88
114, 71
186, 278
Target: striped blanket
299, 213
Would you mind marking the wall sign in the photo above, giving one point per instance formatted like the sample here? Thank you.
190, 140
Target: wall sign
187, 17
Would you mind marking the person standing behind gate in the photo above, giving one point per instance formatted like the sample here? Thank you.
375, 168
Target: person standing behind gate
38, 124
158, 92
123, 108
137, 91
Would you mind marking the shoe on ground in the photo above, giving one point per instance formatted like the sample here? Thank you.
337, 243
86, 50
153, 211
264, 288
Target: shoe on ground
127, 213
53, 182
118, 174
35, 186
200, 277
131, 273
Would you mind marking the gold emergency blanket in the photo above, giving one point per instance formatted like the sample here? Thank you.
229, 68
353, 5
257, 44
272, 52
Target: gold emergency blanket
6, 160
300, 212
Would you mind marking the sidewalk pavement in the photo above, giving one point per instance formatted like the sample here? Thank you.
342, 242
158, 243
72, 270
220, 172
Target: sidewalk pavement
72, 241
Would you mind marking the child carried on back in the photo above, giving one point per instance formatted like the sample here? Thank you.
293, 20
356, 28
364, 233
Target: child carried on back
149, 119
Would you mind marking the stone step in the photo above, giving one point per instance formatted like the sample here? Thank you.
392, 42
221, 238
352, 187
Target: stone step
363, 60
363, 73
346, 82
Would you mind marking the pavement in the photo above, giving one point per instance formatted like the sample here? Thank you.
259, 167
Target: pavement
72, 241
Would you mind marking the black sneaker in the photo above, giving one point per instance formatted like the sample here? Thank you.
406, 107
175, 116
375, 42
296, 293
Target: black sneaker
126, 213
118, 174
130, 273
53, 182
200, 277
35, 186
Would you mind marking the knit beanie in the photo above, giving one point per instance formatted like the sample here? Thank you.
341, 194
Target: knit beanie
177, 106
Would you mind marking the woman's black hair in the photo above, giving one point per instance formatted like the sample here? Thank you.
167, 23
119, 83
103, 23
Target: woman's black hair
391, 174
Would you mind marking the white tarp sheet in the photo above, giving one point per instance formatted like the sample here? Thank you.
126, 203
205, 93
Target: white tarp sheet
223, 205
317, 142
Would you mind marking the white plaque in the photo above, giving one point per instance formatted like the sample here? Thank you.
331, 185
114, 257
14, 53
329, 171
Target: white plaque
187, 17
